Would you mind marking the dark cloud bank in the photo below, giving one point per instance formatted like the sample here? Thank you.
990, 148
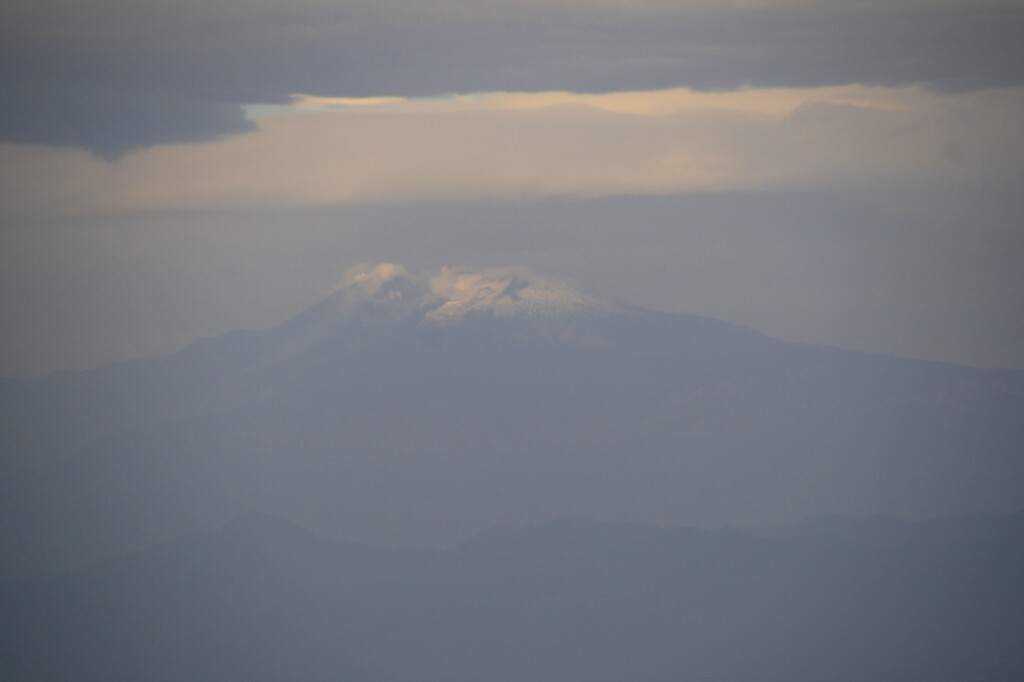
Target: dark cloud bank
112, 76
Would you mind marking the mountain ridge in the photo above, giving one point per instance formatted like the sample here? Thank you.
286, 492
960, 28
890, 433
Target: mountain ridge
364, 421
567, 600
371, 288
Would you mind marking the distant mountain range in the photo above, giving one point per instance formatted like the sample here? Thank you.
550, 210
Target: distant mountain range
416, 414
564, 601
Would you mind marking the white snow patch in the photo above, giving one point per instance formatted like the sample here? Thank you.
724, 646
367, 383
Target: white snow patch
505, 292
457, 292
380, 282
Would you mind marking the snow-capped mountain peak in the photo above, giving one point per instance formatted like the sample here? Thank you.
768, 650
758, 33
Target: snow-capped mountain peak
457, 292
505, 292
380, 283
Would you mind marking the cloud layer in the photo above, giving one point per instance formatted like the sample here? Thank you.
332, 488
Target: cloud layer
114, 75
509, 145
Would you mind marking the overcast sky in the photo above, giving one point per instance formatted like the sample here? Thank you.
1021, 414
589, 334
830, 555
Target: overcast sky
831, 171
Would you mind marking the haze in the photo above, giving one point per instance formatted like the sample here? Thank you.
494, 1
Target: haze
830, 172
508, 340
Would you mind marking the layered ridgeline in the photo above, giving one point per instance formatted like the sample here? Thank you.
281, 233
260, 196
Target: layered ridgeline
407, 413
564, 601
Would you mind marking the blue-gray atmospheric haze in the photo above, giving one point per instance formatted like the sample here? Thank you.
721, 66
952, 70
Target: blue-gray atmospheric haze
563, 601
769, 362
405, 414
917, 274
924, 271
150, 507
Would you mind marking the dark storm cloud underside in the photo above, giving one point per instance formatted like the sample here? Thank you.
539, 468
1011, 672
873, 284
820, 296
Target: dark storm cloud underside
121, 78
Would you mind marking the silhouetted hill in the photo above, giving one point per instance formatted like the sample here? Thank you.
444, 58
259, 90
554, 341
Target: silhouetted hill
563, 601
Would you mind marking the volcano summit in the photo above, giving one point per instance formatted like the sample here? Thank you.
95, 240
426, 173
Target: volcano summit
405, 411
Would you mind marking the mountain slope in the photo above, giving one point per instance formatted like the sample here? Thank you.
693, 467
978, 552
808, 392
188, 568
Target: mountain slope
404, 414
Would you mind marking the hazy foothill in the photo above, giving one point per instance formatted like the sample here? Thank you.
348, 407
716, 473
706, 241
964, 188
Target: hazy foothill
566, 600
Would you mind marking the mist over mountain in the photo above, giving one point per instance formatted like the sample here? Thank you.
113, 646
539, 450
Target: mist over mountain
416, 412
566, 600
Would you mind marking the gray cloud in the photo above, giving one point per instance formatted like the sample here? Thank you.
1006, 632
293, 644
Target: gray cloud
112, 76
111, 122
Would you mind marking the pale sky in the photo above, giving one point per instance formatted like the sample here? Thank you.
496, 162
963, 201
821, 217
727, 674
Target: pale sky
830, 172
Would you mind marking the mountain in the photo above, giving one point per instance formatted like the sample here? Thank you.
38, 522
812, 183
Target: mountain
407, 413
566, 601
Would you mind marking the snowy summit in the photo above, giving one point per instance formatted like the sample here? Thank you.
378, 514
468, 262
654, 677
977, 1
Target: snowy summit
457, 292
506, 292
